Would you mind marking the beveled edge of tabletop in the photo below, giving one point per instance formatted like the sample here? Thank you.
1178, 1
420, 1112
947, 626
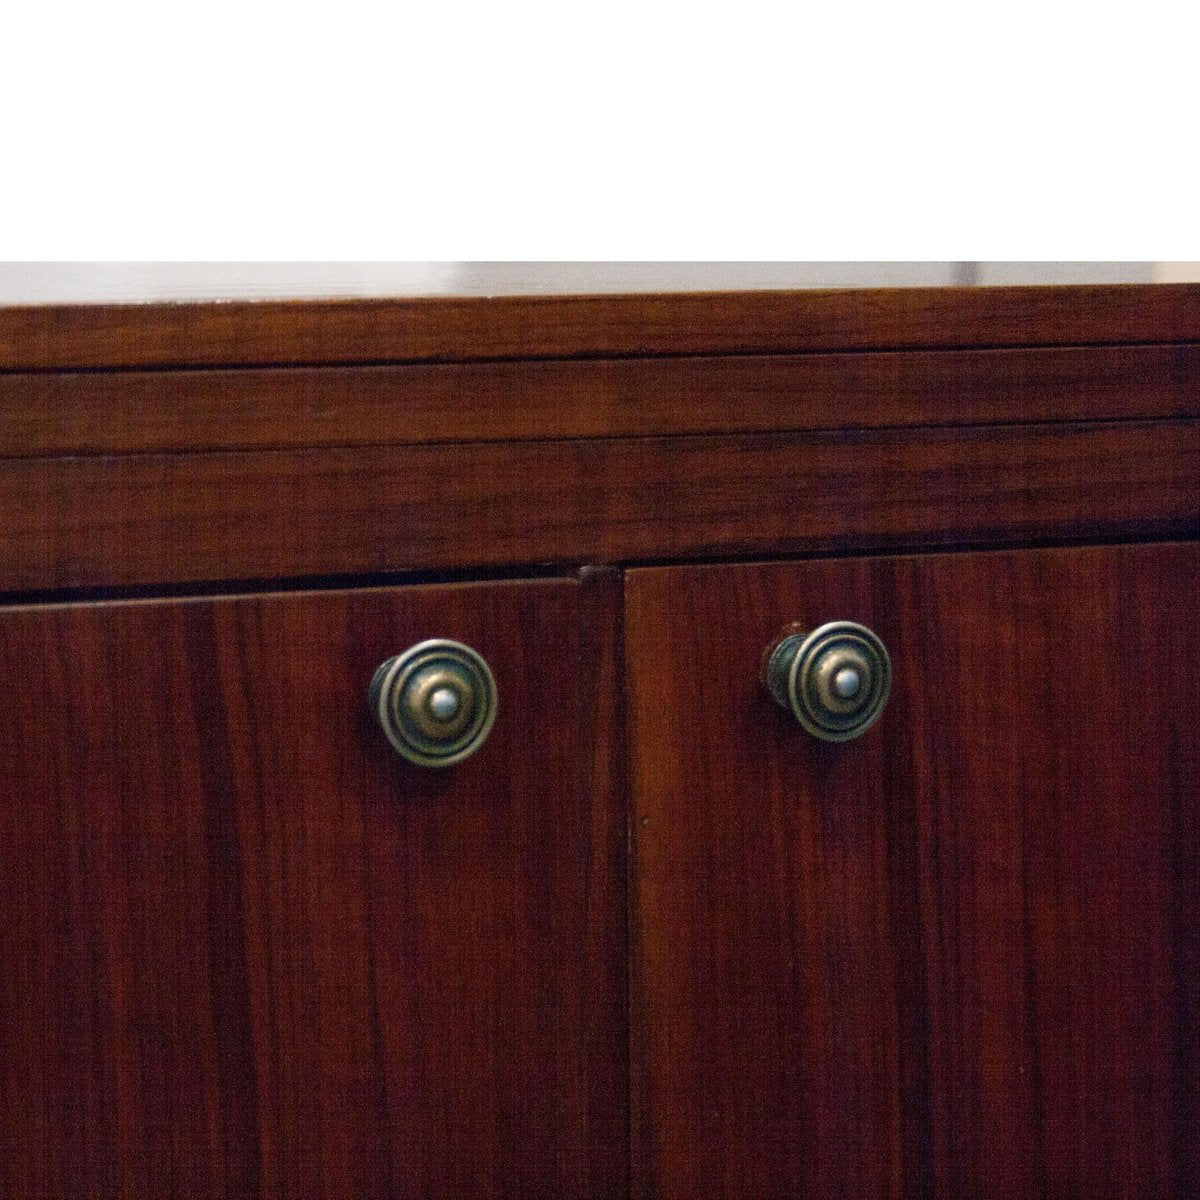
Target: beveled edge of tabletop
54, 337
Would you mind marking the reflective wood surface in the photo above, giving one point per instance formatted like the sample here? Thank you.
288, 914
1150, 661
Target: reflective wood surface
958, 956
250, 951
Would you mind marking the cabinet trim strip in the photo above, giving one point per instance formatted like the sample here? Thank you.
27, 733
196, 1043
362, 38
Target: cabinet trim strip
460, 329
182, 518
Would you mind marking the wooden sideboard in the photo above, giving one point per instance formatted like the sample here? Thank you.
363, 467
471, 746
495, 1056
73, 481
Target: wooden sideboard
651, 938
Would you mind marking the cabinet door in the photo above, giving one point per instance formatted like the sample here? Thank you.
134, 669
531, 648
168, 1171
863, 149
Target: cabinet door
246, 949
958, 956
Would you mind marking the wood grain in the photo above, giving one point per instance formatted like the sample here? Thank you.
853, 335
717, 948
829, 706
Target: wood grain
958, 957
147, 411
603, 762
1056, 767
776, 1037
155, 519
513, 327
248, 951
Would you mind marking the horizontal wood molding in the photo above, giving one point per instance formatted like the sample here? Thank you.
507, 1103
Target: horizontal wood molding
181, 518
146, 411
46, 337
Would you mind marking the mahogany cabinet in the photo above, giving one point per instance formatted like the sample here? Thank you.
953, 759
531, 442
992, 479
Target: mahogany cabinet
249, 950
957, 956
652, 938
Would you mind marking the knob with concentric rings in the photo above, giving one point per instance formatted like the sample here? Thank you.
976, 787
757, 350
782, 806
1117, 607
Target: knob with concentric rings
436, 702
834, 680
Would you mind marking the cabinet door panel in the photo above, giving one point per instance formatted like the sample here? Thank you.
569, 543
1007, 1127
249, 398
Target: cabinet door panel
958, 956
249, 950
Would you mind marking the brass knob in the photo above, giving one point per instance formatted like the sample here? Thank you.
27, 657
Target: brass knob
834, 680
436, 702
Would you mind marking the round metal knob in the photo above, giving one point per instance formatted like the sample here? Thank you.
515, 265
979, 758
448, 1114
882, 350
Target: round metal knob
834, 680
436, 702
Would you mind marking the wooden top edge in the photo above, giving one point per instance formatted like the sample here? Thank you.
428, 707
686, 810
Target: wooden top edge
464, 329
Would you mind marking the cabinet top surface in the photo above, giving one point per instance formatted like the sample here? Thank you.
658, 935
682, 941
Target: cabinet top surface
464, 328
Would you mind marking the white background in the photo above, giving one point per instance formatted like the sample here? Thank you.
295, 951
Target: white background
465, 132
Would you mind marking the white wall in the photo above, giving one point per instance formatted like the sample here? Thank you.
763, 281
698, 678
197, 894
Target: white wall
82, 283
1177, 272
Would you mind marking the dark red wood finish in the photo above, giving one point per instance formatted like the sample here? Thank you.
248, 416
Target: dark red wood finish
245, 950
97, 521
455, 328
249, 951
122, 412
603, 762
957, 957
